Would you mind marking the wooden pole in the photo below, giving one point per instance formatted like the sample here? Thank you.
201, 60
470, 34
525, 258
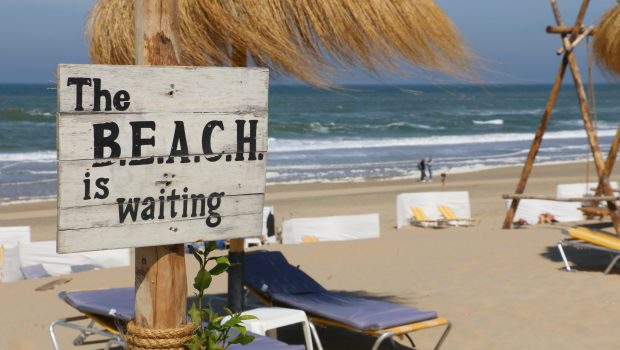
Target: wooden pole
572, 199
569, 60
613, 153
566, 30
161, 281
587, 122
611, 161
531, 156
236, 252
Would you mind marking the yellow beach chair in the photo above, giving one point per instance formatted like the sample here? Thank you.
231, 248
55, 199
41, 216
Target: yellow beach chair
419, 218
452, 219
310, 239
582, 237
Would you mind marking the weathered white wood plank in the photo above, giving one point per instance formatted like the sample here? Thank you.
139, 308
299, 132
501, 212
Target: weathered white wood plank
167, 89
76, 133
231, 177
157, 234
108, 215
132, 132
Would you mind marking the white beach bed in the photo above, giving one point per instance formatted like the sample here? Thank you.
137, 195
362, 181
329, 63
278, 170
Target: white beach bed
331, 228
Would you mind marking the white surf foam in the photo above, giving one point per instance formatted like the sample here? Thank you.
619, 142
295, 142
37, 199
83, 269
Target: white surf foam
289, 145
489, 122
42, 156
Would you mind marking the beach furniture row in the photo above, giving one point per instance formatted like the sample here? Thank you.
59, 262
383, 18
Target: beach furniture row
276, 283
434, 209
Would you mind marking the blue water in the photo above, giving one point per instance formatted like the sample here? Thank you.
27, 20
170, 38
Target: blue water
352, 134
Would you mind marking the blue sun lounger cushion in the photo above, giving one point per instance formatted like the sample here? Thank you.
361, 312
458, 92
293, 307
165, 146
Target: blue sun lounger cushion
119, 303
270, 272
289, 286
114, 302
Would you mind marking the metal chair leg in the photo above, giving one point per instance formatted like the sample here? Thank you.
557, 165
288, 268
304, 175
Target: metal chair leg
444, 336
380, 340
395, 345
315, 335
561, 249
53, 335
612, 264
84, 331
410, 341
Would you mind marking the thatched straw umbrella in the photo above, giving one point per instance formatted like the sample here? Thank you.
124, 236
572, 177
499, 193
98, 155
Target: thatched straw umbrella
606, 44
307, 39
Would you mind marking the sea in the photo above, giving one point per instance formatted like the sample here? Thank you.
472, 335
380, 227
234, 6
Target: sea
352, 133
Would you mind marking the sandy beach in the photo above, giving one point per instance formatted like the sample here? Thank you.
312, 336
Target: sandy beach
502, 289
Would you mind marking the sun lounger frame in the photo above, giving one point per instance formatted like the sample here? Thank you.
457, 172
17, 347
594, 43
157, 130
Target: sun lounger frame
381, 334
579, 244
426, 223
114, 338
456, 221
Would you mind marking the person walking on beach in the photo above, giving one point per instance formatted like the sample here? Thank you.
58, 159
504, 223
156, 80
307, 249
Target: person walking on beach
429, 166
422, 168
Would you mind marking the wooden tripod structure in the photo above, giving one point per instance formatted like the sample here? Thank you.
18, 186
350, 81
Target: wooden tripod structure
571, 36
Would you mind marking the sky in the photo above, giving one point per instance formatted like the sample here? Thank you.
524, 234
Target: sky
508, 36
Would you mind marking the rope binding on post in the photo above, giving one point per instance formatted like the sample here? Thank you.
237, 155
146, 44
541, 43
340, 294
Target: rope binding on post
139, 338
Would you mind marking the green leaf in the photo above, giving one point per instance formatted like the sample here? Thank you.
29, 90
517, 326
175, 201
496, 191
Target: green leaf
202, 280
194, 314
248, 317
218, 319
228, 311
222, 265
197, 256
233, 321
240, 329
242, 339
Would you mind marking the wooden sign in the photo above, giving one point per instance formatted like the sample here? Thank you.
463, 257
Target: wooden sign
151, 156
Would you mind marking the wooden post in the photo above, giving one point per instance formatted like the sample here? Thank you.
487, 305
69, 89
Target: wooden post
236, 249
235, 275
569, 59
613, 153
161, 281
531, 156
611, 160
591, 133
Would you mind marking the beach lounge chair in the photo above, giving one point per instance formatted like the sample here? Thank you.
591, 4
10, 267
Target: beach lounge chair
109, 311
452, 219
458, 201
584, 238
278, 283
419, 218
331, 228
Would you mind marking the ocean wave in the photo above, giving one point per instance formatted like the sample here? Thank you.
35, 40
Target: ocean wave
320, 128
290, 145
41, 156
18, 183
26, 115
494, 112
23, 199
405, 125
490, 122
41, 172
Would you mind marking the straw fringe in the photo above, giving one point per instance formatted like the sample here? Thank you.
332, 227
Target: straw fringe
606, 45
307, 39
